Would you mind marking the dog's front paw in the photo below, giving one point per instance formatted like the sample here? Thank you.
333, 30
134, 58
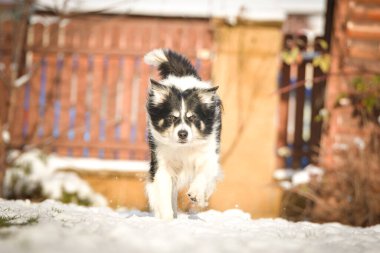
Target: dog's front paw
167, 217
164, 215
198, 197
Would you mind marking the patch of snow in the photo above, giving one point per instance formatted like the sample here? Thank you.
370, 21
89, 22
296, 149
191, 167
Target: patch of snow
283, 174
6, 136
340, 146
22, 80
32, 174
70, 228
289, 178
324, 113
344, 101
301, 177
284, 151
59, 162
286, 185
359, 142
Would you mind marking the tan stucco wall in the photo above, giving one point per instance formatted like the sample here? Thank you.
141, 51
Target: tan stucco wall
246, 68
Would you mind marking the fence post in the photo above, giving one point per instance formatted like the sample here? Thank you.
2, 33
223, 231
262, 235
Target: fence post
298, 145
15, 68
317, 103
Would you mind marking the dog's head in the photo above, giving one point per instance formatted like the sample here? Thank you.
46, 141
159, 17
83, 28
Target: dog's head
182, 116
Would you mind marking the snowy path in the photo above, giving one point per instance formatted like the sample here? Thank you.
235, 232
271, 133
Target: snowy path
55, 227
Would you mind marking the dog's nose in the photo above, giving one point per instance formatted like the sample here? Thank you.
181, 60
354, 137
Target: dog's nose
182, 134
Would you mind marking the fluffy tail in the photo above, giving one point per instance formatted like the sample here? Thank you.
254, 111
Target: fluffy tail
170, 63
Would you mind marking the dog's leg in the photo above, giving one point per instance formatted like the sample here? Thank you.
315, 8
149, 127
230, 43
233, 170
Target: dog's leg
152, 198
174, 199
161, 192
204, 182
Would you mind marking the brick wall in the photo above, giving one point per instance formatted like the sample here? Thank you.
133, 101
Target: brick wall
355, 52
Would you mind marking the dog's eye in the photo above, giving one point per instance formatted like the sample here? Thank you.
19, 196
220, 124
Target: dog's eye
192, 118
171, 118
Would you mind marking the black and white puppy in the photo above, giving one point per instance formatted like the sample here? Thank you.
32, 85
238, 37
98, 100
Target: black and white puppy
184, 124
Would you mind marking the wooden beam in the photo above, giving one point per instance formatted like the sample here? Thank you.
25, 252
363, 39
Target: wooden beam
363, 32
364, 13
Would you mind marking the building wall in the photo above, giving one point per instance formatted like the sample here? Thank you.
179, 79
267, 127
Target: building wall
246, 68
355, 52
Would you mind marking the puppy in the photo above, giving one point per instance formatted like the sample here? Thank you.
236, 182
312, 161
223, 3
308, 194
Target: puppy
184, 125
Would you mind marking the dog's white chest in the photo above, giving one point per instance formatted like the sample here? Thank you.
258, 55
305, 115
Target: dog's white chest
183, 163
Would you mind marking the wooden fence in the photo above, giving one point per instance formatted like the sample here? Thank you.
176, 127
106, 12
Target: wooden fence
302, 87
86, 96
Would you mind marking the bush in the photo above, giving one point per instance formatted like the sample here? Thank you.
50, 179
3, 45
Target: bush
30, 176
349, 191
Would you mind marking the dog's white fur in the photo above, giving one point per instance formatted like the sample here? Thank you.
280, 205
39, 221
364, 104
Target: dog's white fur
155, 57
196, 166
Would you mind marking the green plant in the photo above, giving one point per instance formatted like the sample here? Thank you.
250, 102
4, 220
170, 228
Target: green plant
291, 56
322, 61
294, 54
7, 221
74, 198
364, 97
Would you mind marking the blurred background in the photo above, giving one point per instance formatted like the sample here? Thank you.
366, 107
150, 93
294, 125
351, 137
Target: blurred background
300, 83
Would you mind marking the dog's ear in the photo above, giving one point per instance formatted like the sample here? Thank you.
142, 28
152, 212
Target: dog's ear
207, 95
156, 86
213, 89
158, 91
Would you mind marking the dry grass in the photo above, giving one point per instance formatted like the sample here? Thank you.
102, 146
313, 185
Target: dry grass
349, 192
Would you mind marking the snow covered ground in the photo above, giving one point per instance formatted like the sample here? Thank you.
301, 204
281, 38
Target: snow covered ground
54, 227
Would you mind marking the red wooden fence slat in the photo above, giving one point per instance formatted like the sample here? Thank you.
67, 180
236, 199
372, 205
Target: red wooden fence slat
112, 82
143, 85
34, 93
51, 61
38, 34
141, 130
95, 108
64, 91
81, 102
15, 126
126, 123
